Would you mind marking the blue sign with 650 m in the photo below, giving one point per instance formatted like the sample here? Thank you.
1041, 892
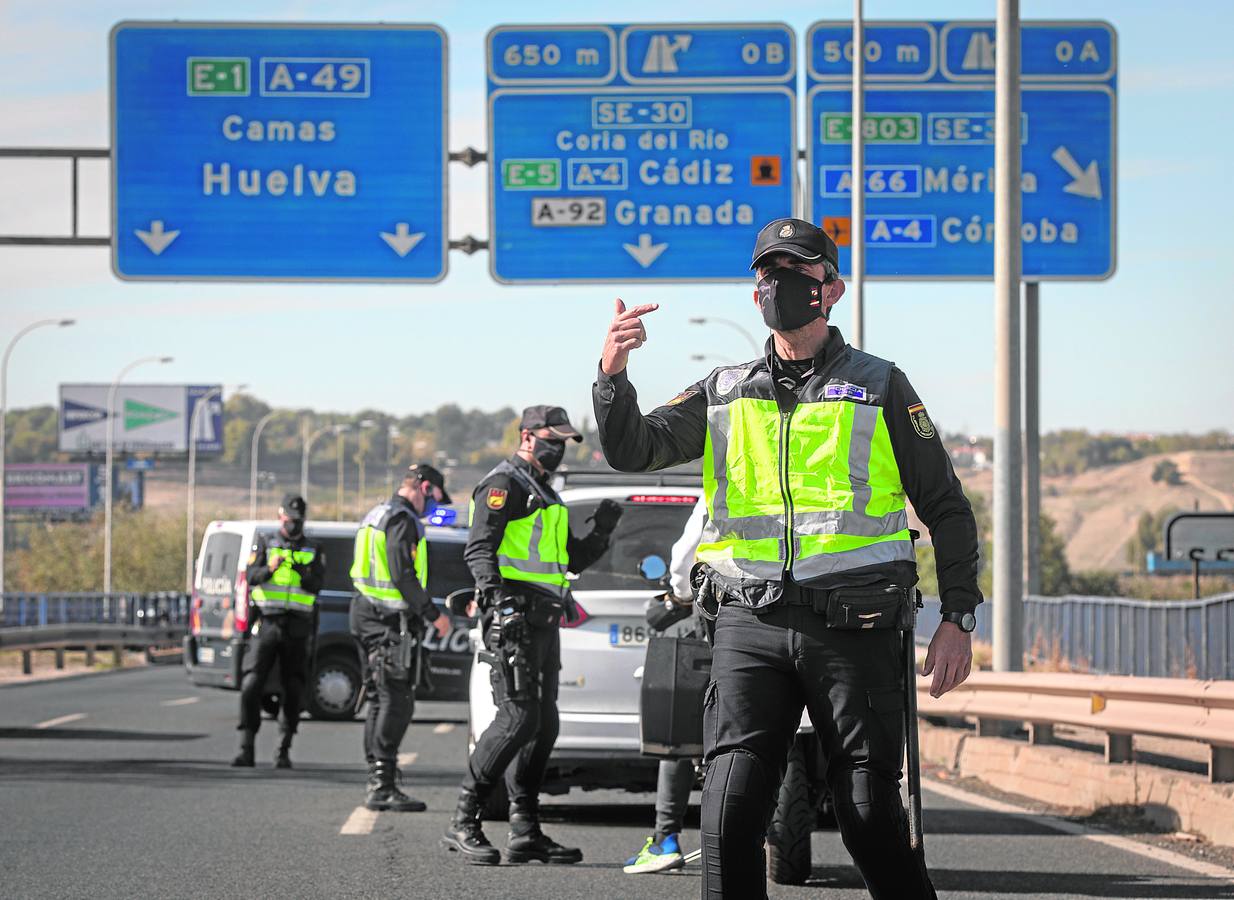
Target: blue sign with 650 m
637, 152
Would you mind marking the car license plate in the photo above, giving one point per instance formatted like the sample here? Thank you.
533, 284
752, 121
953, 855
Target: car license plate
627, 635
205, 656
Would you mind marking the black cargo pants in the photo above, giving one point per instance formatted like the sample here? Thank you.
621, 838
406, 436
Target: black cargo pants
519, 741
765, 669
284, 639
390, 692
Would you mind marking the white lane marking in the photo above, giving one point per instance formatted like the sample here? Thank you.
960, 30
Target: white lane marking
443, 728
361, 821
61, 720
183, 701
1118, 842
407, 759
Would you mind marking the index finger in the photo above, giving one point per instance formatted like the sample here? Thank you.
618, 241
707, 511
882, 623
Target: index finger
635, 311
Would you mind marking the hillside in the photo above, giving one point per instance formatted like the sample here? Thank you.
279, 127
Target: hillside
1096, 511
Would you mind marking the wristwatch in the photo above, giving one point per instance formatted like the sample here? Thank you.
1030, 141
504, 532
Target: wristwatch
965, 620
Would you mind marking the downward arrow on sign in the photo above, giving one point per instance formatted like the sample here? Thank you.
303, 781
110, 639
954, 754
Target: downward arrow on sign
156, 239
645, 252
1085, 182
402, 241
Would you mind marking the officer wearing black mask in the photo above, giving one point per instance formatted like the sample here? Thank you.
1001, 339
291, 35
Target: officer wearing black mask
813, 451
285, 572
519, 551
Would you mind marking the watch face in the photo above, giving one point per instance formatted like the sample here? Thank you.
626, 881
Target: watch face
968, 622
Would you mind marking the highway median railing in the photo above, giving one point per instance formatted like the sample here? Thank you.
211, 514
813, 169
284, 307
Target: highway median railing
1119, 706
57, 621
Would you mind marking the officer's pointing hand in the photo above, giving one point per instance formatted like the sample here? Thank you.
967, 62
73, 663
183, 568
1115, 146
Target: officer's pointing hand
626, 333
950, 658
275, 563
442, 625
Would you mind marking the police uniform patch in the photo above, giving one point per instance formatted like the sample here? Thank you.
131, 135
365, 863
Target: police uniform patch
497, 498
786, 230
921, 421
728, 379
681, 398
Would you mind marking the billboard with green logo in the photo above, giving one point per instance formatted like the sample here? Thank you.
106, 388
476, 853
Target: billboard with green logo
145, 418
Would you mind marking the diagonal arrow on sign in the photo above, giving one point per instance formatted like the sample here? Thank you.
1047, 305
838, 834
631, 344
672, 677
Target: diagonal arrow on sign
402, 241
156, 238
1085, 182
645, 252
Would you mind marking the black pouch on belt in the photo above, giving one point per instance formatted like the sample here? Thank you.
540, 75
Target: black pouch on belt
865, 608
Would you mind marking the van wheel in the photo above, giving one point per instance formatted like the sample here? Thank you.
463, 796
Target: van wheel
788, 838
334, 689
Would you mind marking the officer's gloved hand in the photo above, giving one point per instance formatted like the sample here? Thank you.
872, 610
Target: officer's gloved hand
606, 516
509, 624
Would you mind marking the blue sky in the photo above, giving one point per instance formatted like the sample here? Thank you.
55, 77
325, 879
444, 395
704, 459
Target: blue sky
1148, 350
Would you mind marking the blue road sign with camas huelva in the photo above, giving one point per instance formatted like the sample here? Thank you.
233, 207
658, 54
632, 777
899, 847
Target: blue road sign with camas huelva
929, 150
637, 152
278, 152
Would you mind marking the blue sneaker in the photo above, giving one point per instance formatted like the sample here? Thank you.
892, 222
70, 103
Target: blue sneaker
655, 857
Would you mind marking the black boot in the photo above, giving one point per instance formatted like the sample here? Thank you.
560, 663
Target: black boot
383, 792
282, 759
527, 842
465, 835
244, 759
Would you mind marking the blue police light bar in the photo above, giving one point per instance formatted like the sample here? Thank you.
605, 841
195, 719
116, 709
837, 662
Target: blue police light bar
443, 517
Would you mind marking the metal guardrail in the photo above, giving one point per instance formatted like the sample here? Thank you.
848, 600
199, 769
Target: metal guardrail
1120, 636
1120, 706
20, 610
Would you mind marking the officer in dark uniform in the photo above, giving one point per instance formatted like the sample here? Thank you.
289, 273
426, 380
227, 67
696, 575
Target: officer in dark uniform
519, 552
390, 572
284, 575
808, 455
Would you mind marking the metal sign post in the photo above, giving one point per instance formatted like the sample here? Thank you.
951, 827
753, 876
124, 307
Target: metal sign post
858, 250
649, 153
289, 152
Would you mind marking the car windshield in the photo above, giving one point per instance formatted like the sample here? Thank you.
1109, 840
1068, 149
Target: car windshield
650, 525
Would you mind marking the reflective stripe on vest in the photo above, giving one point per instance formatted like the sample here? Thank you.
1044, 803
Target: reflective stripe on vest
837, 475
533, 548
283, 590
370, 564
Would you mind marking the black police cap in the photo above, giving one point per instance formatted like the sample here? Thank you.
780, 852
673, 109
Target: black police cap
425, 472
293, 506
798, 238
553, 418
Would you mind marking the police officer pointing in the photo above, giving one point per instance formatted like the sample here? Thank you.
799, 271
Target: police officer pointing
809, 453
389, 571
284, 575
519, 551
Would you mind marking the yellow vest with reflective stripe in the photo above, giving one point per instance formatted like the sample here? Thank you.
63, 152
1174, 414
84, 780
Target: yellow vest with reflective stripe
370, 564
283, 591
533, 548
815, 491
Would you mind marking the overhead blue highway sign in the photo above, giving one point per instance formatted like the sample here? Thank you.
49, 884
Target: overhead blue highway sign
278, 152
929, 150
637, 152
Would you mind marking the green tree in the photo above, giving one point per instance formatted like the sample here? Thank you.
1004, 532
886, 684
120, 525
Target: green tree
1167, 470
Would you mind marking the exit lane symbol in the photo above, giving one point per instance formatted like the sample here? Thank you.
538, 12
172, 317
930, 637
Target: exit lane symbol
156, 238
402, 241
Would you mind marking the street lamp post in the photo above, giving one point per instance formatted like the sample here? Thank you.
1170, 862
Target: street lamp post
253, 452
362, 451
4, 408
308, 449
736, 326
190, 505
391, 433
110, 456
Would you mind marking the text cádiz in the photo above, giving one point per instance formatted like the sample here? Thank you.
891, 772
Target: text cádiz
299, 181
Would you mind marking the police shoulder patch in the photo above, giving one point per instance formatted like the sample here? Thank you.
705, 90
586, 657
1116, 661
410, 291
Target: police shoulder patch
681, 398
921, 421
497, 498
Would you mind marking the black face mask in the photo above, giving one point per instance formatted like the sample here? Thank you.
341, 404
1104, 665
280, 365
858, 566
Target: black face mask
789, 299
548, 453
293, 528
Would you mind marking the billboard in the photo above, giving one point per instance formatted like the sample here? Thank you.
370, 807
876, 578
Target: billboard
147, 418
52, 487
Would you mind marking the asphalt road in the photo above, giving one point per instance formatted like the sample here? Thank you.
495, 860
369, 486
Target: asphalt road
119, 786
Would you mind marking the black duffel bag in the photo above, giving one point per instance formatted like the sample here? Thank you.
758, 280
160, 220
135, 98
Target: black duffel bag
675, 677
